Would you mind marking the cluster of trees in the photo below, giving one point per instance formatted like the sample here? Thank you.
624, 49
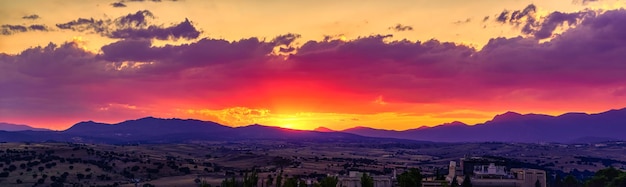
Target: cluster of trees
409, 178
251, 180
608, 177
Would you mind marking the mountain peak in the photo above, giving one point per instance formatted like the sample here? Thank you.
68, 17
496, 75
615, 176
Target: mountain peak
507, 116
455, 123
359, 128
323, 129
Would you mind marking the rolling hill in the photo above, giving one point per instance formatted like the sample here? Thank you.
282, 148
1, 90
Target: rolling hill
15, 127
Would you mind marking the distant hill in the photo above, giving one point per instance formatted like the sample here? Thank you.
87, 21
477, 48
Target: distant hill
507, 127
15, 127
156, 130
515, 127
323, 129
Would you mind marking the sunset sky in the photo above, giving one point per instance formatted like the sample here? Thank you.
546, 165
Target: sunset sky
394, 64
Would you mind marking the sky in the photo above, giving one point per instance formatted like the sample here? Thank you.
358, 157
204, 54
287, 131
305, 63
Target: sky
395, 64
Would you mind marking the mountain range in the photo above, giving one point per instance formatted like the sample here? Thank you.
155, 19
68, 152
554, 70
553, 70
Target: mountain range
157, 130
515, 127
16, 127
507, 127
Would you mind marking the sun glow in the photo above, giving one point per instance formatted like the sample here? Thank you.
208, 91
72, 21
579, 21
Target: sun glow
343, 38
291, 123
80, 42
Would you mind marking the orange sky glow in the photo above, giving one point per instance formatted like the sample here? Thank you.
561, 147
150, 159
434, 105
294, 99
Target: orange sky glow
306, 64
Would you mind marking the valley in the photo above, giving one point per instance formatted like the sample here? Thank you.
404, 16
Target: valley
78, 164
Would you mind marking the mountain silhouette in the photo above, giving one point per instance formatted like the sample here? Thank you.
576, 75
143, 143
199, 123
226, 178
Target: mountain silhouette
515, 127
157, 130
16, 127
323, 129
507, 127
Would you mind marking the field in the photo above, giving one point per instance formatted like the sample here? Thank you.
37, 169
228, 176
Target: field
70, 164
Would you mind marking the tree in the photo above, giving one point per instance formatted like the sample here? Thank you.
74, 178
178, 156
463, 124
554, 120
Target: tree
438, 175
619, 181
250, 180
604, 177
558, 181
269, 181
230, 182
279, 179
610, 173
467, 182
291, 182
570, 181
80, 176
329, 182
411, 178
302, 183
367, 181
597, 181
454, 183
537, 183
203, 183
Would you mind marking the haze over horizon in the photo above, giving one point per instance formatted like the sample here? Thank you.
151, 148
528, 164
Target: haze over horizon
337, 64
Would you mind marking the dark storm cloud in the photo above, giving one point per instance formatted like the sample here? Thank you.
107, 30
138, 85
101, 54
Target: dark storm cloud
32, 16
14, 29
133, 26
400, 27
118, 4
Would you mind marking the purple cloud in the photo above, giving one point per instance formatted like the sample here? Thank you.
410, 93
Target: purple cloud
32, 17
544, 27
399, 27
182, 30
13, 29
583, 62
118, 5
133, 26
84, 24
